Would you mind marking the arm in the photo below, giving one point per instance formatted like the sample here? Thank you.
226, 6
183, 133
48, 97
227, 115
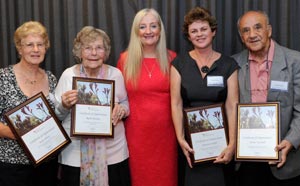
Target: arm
292, 138
5, 132
64, 95
177, 115
230, 106
121, 108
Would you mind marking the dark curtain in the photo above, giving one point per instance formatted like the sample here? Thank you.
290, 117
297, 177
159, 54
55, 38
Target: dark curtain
64, 18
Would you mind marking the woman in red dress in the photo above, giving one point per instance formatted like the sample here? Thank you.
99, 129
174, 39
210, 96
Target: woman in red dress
149, 129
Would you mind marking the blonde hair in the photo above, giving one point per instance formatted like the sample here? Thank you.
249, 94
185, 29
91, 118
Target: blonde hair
31, 27
89, 34
135, 49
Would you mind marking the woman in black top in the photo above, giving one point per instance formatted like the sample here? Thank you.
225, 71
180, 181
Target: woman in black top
203, 77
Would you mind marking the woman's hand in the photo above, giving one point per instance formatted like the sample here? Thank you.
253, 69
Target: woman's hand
186, 150
118, 114
5, 132
69, 98
226, 155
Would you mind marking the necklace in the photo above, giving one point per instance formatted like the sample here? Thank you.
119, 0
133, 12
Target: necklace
32, 82
204, 69
149, 71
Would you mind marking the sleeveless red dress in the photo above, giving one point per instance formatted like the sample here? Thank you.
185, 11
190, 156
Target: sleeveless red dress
149, 129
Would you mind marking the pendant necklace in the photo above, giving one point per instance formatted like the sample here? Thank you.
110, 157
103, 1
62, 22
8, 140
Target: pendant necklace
149, 72
31, 82
205, 68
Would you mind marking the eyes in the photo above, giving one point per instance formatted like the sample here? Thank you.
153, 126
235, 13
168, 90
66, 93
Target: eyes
153, 26
88, 49
202, 29
32, 45
256, 28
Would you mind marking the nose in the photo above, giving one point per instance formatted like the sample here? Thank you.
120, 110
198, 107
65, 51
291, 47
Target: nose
148, 29
252, 32
35, 47
94, 51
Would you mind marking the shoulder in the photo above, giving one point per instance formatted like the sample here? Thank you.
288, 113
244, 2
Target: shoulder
123, 56
113, 69
122, 59
172, 54
51, 79
228, 60
241, 58
113, 72
50, 75
69, 71
6, 72
181, 58
287, 52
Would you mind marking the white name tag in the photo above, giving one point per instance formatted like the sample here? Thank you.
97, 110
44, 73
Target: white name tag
279, 86
215, 81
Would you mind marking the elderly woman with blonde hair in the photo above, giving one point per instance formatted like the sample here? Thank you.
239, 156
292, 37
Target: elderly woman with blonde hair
19, 82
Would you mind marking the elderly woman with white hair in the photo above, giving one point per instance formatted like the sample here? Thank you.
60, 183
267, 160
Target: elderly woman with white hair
81, 162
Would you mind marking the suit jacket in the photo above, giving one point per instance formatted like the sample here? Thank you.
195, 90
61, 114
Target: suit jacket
285, 68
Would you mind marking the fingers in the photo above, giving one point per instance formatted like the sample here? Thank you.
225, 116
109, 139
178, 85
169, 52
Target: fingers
187, 150
69, 98
284, 147
119, 113
225, 156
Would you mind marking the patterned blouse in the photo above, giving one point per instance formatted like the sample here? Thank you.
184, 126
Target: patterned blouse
10, 97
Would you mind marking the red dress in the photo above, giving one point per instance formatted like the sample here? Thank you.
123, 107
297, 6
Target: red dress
149, 129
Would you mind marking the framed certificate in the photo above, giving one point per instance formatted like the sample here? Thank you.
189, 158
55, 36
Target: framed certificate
206, 131
37, 129
258, 132
92, 114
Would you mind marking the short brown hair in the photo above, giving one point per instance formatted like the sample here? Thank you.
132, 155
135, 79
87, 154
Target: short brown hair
195, 14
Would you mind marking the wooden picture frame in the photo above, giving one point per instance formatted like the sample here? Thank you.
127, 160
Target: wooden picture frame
92, 114
206, 131
37, 129
258, 131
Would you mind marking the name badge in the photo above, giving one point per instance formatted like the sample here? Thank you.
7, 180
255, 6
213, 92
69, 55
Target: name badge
279, 86
215, 81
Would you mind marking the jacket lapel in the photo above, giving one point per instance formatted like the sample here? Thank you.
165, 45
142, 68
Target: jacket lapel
277, 71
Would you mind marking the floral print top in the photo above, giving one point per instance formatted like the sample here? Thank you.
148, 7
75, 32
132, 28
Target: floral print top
11, 96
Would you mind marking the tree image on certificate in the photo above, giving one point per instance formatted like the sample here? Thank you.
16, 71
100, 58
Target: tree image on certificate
204, 120
30, 116
257, 117
93, 93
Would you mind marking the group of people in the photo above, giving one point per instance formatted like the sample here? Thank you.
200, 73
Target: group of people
152, 87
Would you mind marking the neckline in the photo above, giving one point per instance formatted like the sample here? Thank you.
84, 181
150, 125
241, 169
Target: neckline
11, 69
213, 65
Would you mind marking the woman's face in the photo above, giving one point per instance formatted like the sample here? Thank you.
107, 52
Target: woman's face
200, 34
149, 30
32, 49
93, 54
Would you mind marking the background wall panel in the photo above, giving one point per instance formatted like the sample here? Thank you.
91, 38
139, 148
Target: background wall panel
64, 18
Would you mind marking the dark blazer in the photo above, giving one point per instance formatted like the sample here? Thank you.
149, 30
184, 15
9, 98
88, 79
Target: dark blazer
286, 68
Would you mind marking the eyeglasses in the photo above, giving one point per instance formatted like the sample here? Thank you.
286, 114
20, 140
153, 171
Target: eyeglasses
31, 46
90, 49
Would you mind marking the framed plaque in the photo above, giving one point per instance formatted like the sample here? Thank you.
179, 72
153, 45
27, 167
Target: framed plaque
92, 114
37, 129
258, 132
206, 131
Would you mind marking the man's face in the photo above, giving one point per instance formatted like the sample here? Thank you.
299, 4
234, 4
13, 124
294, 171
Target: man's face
255, 32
